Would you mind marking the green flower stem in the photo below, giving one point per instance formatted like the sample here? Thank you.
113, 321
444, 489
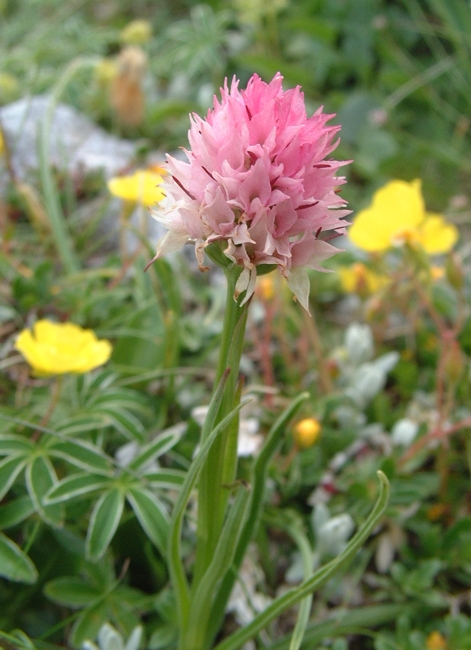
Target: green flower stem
220, 467
258, 484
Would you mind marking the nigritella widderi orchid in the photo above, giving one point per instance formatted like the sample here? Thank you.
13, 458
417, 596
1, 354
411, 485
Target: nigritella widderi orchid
257, 186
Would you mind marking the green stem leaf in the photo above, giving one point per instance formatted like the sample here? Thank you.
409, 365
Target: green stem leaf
320, 577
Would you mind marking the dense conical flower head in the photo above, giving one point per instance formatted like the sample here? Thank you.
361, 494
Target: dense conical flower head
258, 181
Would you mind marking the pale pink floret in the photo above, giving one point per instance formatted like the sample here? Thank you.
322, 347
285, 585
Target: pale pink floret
257, 178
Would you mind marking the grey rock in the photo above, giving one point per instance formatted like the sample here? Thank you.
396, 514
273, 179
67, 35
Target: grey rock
76, 144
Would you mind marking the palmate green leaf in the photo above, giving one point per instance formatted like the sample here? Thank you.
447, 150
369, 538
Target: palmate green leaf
82, 454
157, 447
104, 521
89, 623
16, 511
10, 467
72, 592
14, 563
165, 478
40, 477
13, 444
152, 516
74, 486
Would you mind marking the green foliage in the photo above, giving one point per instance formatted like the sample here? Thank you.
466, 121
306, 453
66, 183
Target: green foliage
96, 495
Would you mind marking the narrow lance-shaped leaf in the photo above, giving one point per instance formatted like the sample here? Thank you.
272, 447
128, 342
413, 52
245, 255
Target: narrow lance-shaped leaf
320, 577
40, 477
125, 422
104, 521
152, 516
16, 511
165, 478
72, 592
157, 447
13, 444
74, 486
14, 563
82, 454
10, 467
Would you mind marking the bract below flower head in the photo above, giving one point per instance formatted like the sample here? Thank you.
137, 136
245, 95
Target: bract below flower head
141, 187
257, 182
398, 216
60, 348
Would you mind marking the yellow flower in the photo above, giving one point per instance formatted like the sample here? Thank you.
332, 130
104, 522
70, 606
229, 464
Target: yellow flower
358, 278
435, 641
141, 187
306, 432
265, 288
136, 32
2, 144
397, 216
59, 348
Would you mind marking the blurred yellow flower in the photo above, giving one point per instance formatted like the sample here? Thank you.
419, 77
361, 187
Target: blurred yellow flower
136, 32
358, 278
9, 87
306, 432
105, 71
59, 348
140, 187
265, 288
2, 144
435, 641
397, 216
437, 273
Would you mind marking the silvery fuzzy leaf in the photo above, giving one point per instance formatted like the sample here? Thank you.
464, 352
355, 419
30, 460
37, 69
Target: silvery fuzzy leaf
359, 343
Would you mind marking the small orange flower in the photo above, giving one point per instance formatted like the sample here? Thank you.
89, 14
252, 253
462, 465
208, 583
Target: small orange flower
306, 432
435, 641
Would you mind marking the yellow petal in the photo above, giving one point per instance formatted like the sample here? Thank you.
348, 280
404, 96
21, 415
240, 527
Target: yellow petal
58, 348
398, 207
358, 278
437, 235
141, 187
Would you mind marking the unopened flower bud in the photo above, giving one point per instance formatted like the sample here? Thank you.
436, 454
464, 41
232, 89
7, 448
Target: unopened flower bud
454, 271
306, 432
137, 32
454, 361
127, 97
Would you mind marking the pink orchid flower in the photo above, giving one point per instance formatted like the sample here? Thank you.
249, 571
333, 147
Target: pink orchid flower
258, 181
